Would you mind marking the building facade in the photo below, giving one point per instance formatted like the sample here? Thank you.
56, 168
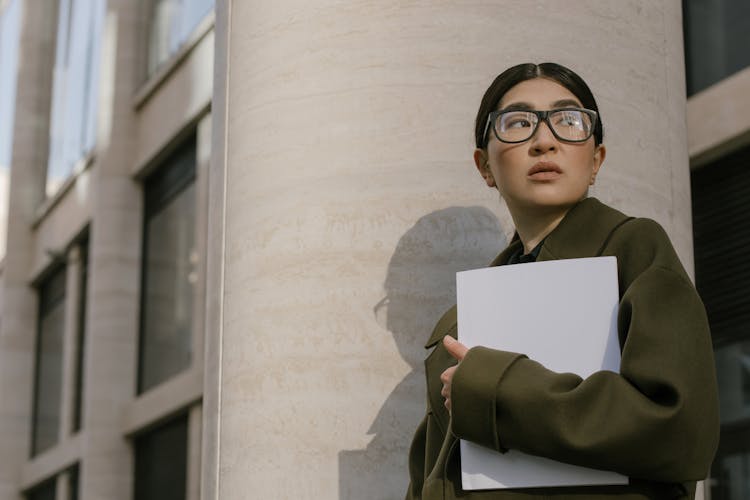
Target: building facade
102, 337
718, 77
232, 224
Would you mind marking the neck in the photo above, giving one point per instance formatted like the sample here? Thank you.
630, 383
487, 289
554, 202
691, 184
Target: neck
534, 226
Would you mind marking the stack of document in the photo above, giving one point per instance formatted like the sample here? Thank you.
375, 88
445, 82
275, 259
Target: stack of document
562, 314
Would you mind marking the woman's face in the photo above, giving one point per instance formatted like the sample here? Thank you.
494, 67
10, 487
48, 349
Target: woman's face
543, 172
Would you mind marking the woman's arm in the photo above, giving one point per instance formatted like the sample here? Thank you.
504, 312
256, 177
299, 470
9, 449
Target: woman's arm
657, 419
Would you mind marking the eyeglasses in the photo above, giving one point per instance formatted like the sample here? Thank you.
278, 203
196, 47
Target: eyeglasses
568, 124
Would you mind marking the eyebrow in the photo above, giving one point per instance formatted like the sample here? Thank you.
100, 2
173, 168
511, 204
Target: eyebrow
562, 103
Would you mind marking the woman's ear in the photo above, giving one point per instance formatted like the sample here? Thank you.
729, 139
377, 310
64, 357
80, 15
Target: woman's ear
600, 152
480, 160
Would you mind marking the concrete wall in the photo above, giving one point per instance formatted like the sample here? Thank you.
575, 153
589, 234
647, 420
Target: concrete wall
344, 198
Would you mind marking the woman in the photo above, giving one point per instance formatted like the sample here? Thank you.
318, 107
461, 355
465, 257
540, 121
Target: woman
539, 143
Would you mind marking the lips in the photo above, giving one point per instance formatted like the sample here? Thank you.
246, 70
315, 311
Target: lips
545, 166
544, 171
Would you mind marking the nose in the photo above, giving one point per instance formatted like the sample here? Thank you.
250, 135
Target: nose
543, 139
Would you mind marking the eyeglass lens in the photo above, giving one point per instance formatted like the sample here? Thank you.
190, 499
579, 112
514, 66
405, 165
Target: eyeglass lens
568, 124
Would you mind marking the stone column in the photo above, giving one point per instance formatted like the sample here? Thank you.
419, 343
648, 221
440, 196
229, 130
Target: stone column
114, 267
344, 198
28, 170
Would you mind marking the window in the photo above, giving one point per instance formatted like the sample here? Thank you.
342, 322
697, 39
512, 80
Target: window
716, 40
721, 227
45, 491
169, 275
10, 26
172, 22
74, 89
83, 272
49, 359
161, 462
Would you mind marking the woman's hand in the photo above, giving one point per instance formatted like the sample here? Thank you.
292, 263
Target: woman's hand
458, 351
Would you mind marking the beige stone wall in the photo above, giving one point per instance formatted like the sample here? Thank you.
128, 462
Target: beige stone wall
28, 163
346, 196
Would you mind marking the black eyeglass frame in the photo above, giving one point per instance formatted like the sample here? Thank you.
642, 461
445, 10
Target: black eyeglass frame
542, 116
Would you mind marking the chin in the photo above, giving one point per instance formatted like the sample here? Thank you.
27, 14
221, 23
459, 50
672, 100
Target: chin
549, 202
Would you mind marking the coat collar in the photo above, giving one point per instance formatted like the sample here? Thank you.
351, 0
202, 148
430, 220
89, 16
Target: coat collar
583, 232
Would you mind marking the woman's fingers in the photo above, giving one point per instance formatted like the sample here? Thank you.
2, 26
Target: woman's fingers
454, 347
446, 378
458, 351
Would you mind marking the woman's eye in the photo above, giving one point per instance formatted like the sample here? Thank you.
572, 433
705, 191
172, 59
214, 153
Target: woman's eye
518, 122
569, 119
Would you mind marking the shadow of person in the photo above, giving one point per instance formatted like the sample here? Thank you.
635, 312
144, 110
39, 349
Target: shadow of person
420, 286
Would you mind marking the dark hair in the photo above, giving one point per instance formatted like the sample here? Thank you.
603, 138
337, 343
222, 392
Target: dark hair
528, 71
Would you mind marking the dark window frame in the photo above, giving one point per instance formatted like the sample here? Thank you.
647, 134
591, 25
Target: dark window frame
175, 174
78, 397
49, 298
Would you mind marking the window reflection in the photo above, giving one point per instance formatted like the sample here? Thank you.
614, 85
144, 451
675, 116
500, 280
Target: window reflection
733, 372
45, 491
74, 88
10, 27
172, 22
161, 462
716, 40
169, 267
49, 359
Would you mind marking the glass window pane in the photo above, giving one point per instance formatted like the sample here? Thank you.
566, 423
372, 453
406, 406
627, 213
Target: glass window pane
45, 491
49, 358
74, 90
73, 483
172, 22
10, 27
716, 40
730, 473
733, 373
169, 272
721, 228
735, 476
81, 350
161, 462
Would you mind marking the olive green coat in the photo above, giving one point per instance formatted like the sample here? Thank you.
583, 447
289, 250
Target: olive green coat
656, 421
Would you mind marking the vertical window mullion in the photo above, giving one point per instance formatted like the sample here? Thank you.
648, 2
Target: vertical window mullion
70, 341
194, 443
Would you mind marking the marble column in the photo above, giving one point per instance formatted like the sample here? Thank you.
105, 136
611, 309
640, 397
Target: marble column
344, 198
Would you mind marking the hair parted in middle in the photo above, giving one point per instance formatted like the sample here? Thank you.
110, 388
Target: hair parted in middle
528, 71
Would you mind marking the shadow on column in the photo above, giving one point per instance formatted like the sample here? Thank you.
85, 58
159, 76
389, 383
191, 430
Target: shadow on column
420, 286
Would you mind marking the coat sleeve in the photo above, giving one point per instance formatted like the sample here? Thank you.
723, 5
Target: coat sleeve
657, 419
417, 471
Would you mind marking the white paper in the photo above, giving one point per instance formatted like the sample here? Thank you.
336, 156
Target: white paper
561, 313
